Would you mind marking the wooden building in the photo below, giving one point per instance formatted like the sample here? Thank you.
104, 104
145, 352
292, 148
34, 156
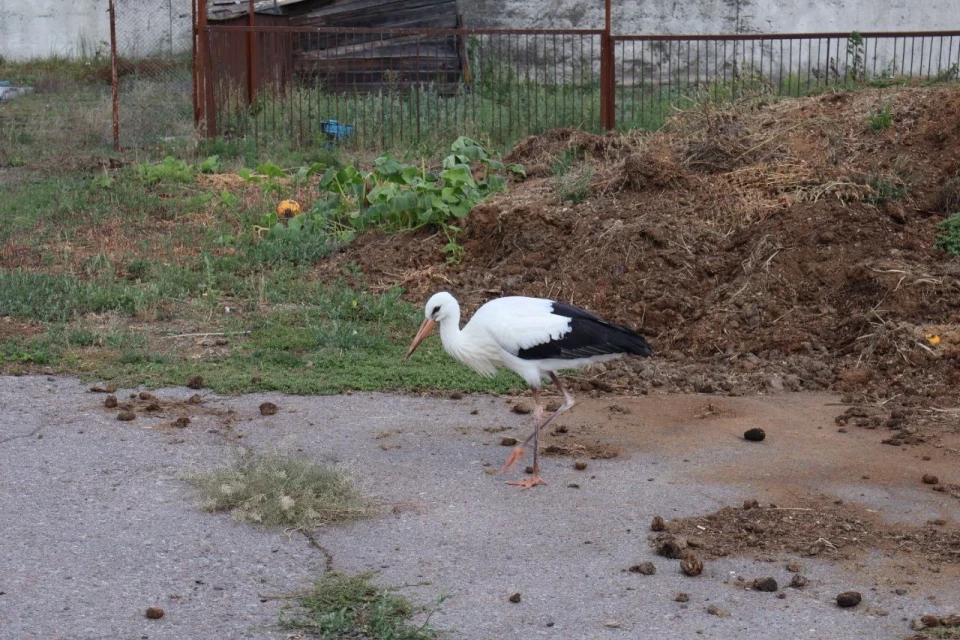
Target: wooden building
340, 60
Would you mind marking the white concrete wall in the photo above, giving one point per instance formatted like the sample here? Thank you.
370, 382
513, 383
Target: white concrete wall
74, 28
716, 16
31, 28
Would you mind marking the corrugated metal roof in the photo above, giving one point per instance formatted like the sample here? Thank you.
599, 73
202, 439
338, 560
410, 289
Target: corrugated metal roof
228, 9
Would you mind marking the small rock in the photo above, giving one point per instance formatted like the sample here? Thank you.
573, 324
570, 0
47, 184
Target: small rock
682, 597
126, 415
268, 409
793, 567
714, 610
930, 479
194, 399
612, 624
154, 613
765, 584
573, 485
560, 429
110, 402
528, 470
515, 598
181, 422
691, 565
645, 568
798, 581
456, 395
900, 592
146, 395
579, 465
507, 441
774, 383
195, 382
256, 379
153, 406
750, 504
474, 412
930, 621
754, 435
658, 524
107, 388
849, 599
522, 408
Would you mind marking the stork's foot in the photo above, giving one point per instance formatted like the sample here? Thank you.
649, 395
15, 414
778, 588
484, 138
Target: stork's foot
529, 482
515, 456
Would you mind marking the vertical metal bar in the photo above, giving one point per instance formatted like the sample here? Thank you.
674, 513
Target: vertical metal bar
607, 80
251, 64
780, 72
114, 87
939, 56
913, 46
593, 115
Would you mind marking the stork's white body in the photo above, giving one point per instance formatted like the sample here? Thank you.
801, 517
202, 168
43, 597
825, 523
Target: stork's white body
502, 328
534, 338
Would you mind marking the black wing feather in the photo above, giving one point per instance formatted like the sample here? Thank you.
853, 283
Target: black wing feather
589, 335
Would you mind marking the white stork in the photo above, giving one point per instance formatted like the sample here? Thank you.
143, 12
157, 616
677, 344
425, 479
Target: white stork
534, 338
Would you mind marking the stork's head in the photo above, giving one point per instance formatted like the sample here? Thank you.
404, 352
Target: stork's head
439, 307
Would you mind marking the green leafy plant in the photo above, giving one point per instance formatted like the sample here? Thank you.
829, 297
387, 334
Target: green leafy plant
170, 169
856, 57
396, 196
949, 238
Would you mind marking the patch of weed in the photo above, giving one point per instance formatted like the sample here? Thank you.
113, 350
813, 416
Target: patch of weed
882, 118
342, 606
279, 491
949, 238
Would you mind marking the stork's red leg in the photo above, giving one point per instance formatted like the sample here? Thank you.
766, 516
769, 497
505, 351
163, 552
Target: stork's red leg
535, 479
517, 454
568, 402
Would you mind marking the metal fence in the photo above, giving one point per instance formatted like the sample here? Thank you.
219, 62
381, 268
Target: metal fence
400, 86
152, 65
405, 86
656, 74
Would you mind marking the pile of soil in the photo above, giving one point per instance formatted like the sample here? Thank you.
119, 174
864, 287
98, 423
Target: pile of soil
760, 246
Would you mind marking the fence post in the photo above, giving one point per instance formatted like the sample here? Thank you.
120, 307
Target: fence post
251, 52
607, 75
204, 77
114, 80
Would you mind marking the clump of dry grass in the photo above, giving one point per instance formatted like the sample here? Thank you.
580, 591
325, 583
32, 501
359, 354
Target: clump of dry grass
948, 199
280, 491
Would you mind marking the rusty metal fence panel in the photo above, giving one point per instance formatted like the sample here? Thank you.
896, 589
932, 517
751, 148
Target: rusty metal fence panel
399, 87
403, 86
656, 74
151, 56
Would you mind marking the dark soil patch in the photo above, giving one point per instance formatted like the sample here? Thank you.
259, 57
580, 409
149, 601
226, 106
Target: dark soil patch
820, 528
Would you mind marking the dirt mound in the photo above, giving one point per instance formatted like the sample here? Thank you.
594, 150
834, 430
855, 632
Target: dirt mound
818, 528
765, 245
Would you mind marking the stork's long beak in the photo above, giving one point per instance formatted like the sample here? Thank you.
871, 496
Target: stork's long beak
425, 328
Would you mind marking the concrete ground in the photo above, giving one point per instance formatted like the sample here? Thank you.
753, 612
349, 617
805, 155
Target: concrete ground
97, 524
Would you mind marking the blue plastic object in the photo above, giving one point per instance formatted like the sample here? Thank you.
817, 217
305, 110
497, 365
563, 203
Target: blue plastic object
336, 130
4, 83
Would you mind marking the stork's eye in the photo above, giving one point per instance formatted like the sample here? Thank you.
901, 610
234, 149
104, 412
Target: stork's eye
436, 310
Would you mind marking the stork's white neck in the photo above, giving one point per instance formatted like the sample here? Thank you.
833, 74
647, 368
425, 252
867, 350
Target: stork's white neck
450, 334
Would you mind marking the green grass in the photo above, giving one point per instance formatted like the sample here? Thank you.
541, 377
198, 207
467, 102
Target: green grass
275, 490
341, 607
881, 118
